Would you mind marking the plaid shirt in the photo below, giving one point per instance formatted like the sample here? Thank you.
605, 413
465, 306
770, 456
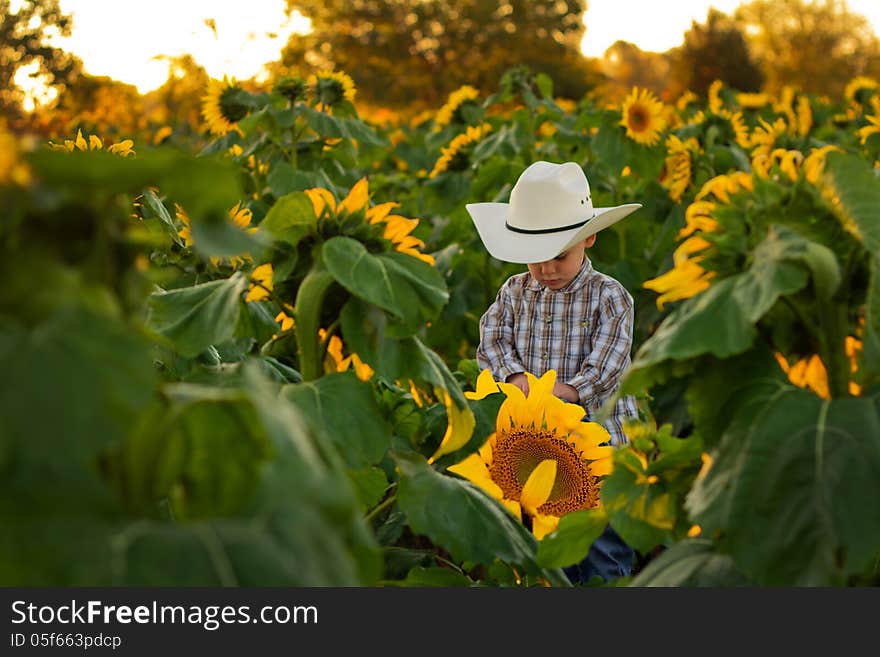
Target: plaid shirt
583, 331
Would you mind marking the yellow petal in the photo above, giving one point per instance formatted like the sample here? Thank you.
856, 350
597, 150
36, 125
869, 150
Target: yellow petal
543, 525
485, 450
538, 486
378, 213
95, 143
513, 410
474, 469
486, 385
459, 428
602, 467
321, 198
587, 436
357, 198
514, 508
80, 142
397, 227
363, 371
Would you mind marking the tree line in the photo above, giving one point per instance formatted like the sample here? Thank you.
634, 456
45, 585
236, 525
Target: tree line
410, 54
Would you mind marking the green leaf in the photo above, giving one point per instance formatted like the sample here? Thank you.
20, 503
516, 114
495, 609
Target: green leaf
412, 291
291, 218
571, 540
369, 484
203, 453
791, 474
692, 563
197, 317
721, 320
424, 577
461, 518
158, 207
856, 185
343, 409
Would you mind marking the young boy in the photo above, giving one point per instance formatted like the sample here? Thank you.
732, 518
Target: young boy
561, 314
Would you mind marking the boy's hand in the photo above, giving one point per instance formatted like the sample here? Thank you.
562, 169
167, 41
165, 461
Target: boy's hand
520, 381
566, 392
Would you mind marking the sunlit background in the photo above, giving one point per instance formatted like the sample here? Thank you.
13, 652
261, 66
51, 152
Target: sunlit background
130, 41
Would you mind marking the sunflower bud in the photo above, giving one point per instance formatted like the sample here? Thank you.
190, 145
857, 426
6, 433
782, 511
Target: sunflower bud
292, 88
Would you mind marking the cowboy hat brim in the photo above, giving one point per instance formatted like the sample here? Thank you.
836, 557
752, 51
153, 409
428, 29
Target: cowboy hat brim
507, 245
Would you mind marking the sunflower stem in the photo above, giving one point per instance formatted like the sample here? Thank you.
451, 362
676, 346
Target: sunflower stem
309, 299
391, 499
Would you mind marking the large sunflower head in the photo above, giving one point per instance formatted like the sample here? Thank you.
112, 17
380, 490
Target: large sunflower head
330, 88
643, 117
224, 105
543, 461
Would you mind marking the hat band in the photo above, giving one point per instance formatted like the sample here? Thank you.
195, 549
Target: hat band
538, 231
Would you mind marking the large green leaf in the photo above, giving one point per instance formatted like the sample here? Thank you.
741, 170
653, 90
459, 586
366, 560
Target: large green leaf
464, 520
413, 291
693, 563
196, 317
572, 539
344, 410
791, 475
202, 451
721, 321
290, 219
72, 385
856, 185
298, 522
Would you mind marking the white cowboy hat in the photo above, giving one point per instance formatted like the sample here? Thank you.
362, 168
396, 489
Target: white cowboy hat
550, 209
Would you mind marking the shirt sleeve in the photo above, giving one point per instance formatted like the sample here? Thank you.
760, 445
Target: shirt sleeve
603, 368
497, 351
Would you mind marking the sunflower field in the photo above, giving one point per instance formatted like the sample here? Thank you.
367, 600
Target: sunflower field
251, 362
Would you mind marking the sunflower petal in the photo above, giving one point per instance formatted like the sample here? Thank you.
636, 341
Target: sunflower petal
538, 486
602, 467
514, 508
320, 199
357, 198
475, 471
486, 386
543, 525
459, 428
377, 213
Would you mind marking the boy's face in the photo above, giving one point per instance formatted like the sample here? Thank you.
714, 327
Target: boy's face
555, 274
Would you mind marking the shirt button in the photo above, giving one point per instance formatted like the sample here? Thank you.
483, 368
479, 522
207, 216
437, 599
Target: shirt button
545, 356
548, 318
585, 324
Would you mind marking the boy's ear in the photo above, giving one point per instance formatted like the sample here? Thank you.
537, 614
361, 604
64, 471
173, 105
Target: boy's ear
590, 241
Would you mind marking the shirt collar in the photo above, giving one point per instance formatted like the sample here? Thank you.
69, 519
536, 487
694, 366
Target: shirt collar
576, 283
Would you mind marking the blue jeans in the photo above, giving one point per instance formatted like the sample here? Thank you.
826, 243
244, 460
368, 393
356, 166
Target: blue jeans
609, 557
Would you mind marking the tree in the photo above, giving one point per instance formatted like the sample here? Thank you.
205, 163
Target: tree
715, 50
627, 66
403, 51
813, 46
23, 43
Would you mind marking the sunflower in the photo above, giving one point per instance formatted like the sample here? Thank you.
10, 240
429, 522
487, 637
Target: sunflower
716, 103
223, 106
396, 230
873, 128
451, 111
543, 461
239, 216
94, 143
456, 156
330, 88
643, 117
677, 176
860, 89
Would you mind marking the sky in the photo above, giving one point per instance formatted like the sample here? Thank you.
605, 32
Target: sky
126, 39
